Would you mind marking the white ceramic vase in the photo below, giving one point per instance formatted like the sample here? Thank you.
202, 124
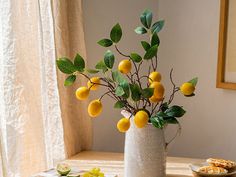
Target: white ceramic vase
145, 151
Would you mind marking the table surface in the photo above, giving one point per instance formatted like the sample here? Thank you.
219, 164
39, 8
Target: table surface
114, 163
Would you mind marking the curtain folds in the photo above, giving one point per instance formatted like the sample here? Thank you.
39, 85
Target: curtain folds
69, 39
33, 111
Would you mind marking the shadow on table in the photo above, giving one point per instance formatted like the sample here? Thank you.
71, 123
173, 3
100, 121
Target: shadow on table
176, 176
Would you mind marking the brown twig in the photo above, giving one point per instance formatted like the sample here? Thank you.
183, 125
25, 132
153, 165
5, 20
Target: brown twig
153, 67
161, 104
174, 90
93, 82
146, 101
145, 77
108, 82
139, 65
137, 74
121, 52
130, 78
111, 96
106, 93
155, 63
154, 107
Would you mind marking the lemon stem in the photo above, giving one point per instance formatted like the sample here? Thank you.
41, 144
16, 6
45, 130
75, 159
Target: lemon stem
104, 95
156, 107
140, 65
174, 90
146, 77
153, 67
155, 63
92, 81
130, 78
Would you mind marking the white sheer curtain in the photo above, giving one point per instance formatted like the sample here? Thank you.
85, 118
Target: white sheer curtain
31, 131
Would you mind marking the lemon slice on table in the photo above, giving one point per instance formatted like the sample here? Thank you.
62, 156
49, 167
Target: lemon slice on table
63, 169
74, 175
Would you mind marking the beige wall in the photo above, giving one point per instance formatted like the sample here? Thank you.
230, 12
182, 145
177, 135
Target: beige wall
189, 44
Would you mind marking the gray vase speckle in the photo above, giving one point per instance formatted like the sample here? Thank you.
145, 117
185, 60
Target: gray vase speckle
145, 151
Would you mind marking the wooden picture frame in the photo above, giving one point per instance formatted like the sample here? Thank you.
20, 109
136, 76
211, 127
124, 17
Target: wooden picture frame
221, 81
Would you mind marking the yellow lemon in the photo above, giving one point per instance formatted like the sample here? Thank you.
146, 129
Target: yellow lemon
154, 77
125, 66
95, 172
159, 89
187, 88
123, 124
82, 93
95, 108
141, 119
93, 83
154, 99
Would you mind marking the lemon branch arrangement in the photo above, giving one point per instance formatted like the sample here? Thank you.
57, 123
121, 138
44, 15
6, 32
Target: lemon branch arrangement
142, 95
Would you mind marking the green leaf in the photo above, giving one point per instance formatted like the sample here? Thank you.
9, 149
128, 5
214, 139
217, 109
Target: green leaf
116, 33
194, 81
135, 92
70, 80
66, 66
140, 30
156, 27
125, 87
146, 18
164, 106
149, 19
101, 65
151, 52
118, 77
92, 71
167, 119
135, 57
164, 118
175, 111
162, 115
119, 104
157, 122
171, 120
79, 63
105, 42
155, 40
143, 20
119, 91
145, 45
147, 92
109, 59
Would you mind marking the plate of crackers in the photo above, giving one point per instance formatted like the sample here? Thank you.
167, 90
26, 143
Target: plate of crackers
214, 168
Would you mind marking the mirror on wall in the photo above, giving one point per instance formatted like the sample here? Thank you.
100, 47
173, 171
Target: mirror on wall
226, 71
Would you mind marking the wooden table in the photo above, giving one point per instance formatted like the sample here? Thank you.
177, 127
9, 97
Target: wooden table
114, 163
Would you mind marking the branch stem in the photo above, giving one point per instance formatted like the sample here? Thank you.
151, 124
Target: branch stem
174, 90
106, 93
94, 82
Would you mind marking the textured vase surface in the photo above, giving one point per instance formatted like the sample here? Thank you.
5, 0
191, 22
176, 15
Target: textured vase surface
145, 151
